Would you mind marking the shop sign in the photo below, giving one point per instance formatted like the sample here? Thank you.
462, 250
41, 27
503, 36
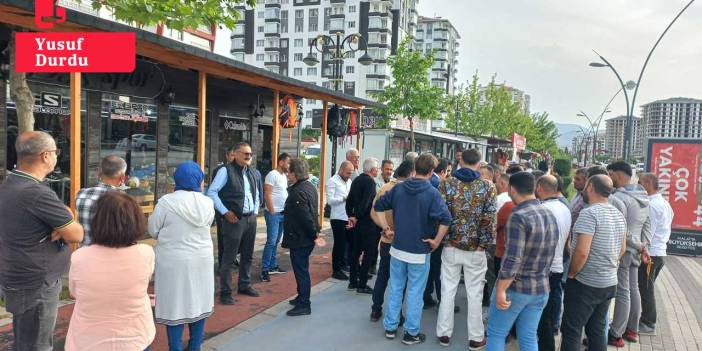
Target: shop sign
518, 142
129, 111
71, 51
230, 124
678, 165
51, 103
188, 119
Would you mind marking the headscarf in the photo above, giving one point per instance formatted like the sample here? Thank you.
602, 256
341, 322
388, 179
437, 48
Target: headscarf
188, 176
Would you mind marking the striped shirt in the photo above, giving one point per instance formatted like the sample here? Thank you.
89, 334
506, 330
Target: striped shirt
608, 227
531, 238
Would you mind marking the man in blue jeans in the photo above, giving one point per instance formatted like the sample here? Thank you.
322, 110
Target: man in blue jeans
417, 207
521, 291
275, 192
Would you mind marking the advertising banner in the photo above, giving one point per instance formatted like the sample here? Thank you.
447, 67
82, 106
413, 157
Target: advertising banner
678, 164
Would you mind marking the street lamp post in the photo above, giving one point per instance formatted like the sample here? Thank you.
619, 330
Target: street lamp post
338, 48
635, 85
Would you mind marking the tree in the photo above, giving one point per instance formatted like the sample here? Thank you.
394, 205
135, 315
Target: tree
175, 14
411, 95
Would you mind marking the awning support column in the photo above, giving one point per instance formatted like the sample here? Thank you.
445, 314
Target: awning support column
202, 113
323, 164
75, 158
275, 142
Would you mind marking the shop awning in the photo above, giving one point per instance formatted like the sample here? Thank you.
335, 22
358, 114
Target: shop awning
180, 55
443, 136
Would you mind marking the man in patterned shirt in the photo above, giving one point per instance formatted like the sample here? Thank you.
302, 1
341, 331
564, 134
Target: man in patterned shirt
112, 176
472, 204
522, 288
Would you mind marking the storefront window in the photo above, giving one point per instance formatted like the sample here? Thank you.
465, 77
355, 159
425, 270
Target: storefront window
182, 140
129, 130
232, 130
51, 115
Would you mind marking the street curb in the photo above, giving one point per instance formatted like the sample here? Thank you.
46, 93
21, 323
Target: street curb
218, 342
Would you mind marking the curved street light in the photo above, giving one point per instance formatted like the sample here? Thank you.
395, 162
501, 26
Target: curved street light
635, 84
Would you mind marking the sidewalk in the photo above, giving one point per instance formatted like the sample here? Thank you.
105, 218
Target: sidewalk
339, 320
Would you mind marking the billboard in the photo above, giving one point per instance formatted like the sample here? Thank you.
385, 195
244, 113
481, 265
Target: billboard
678, 164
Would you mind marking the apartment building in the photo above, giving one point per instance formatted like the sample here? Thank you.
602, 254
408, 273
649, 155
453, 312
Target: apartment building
441, 37
672, 118
615, 132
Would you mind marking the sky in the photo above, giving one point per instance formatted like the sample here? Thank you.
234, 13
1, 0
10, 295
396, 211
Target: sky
544, 47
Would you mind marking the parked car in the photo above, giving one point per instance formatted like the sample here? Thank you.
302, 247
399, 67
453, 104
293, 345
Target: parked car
141, 142
313, 151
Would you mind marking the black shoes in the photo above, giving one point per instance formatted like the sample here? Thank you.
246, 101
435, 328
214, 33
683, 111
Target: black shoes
373, 270
249, 292
429, 303
226, 299
364, 290
293, 302
265, 276
390, 334
277, 270
353, 286
299, 311
340, 275
411, 340
375, 315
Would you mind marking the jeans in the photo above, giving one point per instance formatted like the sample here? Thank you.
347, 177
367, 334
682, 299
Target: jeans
274, 232
366, 236
381, 280
175, 336
547, 324
300, 259
434, 280
33, 315
341, 238
525, 311
585, 306
415, 275
648, 291
627, 305
474, 265
237, 237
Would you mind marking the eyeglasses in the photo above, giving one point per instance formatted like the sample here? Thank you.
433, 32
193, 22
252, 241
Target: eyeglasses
247, 153
57, 151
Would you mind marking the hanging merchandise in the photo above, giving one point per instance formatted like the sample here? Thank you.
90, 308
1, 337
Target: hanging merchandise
353, 123
288, 112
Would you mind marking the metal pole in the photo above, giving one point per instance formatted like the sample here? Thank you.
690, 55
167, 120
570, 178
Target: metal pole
629, 124
625, 151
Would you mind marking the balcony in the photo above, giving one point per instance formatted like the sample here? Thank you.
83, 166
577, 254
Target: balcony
336, 24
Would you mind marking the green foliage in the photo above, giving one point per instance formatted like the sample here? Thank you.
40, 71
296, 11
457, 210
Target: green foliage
314, 165
566, 182
562, 167
310, 132
410, 95
176, 14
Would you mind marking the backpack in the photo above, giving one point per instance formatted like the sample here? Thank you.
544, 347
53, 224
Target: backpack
288, 112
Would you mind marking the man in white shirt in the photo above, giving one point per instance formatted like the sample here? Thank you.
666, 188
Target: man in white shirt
547, 192
502, 186
275, 192
661, 216
337, 191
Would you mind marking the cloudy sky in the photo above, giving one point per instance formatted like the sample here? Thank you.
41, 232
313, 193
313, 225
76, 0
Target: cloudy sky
544, 46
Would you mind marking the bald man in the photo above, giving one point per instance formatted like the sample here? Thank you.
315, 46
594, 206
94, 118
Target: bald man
338, 188
547, 192
36, 226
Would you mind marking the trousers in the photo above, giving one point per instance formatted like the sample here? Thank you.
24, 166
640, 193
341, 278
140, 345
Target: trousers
627, 304
365, 238
585, 306
648, 291
33, 315
239, 236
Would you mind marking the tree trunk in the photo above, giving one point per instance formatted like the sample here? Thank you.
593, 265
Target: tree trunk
20, 93
411, 120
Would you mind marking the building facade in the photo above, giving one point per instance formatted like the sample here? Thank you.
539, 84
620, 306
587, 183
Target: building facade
615, 132
438, 35
518, 96
672, 118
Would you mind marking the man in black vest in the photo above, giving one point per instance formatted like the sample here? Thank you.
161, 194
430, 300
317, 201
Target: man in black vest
235, 194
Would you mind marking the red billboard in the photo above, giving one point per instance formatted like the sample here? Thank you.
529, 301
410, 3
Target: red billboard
518, 142
678, 164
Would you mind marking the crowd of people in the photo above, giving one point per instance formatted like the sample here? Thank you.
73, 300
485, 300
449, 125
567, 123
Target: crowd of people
422, 228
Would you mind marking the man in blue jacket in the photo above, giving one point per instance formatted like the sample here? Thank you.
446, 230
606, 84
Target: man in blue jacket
417, 207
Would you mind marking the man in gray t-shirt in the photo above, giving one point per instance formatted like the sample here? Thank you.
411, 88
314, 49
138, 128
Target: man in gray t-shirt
597, 245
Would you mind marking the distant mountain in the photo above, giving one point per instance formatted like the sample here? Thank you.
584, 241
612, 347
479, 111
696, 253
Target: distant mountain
567, 132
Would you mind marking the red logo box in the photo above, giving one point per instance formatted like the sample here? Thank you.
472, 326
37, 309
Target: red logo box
96, 52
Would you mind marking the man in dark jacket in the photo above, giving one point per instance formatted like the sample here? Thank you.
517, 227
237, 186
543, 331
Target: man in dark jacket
234, 191
366, 234
301, 232
417, 207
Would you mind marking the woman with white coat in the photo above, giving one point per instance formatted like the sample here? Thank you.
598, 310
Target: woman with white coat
184, 281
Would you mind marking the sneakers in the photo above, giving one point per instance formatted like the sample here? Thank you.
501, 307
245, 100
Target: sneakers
353, 286
340, 275
265, 276
248, 291
277, 270
390, 334
630, 336
444, 340
646, 330
616, 342
413, 339
226, 299
477, 345
364, 290
299, 311
375, 315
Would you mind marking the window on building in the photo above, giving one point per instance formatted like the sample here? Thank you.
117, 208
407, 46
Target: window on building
261, 14
310, 101
260, 43
313, 24
299, 43
352, 9
349, 69
272, 13
326, 85
352, 24
299, 21
350, 88
297, 72
297, 57
261, 29
327, 19
259, 57
283, 58
284, 21
238, 43
239, 56
311, 71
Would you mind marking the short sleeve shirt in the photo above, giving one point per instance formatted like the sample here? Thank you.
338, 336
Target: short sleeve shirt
607, 226
279, 182
29, 213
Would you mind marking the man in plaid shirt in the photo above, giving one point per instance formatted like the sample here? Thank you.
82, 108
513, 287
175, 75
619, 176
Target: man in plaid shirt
112, 176
522, 288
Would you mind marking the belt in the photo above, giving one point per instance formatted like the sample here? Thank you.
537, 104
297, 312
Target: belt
247, 214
